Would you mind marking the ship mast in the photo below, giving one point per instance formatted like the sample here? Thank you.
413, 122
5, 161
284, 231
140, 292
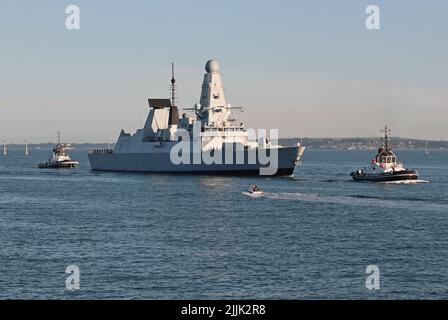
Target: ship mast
173, 118
5, 152
173, 86
26, 148
59, 137
386, 137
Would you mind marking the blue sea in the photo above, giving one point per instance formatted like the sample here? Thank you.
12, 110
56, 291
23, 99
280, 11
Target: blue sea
151, 236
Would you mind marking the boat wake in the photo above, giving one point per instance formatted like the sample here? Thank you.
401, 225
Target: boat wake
405, 182
355, 200
253, 195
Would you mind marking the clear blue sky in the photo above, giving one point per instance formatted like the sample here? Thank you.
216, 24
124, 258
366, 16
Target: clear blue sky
309, 68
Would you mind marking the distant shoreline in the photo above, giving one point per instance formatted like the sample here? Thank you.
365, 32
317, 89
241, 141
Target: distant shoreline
311, 143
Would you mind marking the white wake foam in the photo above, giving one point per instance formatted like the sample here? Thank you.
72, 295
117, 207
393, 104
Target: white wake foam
252, 195
356, 201
405, 182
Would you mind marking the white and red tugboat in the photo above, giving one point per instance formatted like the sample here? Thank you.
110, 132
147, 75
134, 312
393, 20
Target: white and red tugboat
59, 158
384, 167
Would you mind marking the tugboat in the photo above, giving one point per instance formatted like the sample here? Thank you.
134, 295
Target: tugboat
59, 158
384, 167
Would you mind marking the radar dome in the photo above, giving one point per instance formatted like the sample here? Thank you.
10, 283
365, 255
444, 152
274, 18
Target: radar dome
212, 66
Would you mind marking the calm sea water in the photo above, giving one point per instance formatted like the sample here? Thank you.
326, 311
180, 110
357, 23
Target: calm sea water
197, 237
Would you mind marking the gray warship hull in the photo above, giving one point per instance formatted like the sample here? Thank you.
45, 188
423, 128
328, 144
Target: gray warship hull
160, 162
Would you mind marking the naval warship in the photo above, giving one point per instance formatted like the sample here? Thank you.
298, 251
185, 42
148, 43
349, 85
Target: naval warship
209, 142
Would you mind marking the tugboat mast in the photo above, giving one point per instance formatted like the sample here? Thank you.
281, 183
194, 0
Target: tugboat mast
386, 137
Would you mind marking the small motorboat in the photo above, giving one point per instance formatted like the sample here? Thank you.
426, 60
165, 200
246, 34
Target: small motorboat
254, 190
385, 167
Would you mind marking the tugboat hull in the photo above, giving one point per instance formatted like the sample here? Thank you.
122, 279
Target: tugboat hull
385, 177
63, 165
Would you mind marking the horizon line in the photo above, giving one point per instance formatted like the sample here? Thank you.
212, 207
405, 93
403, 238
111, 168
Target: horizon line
283, 138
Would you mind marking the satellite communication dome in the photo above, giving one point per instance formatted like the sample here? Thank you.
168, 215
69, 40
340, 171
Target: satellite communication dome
212, 66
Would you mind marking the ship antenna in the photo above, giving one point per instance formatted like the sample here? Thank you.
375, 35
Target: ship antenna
59, 137
173, 86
